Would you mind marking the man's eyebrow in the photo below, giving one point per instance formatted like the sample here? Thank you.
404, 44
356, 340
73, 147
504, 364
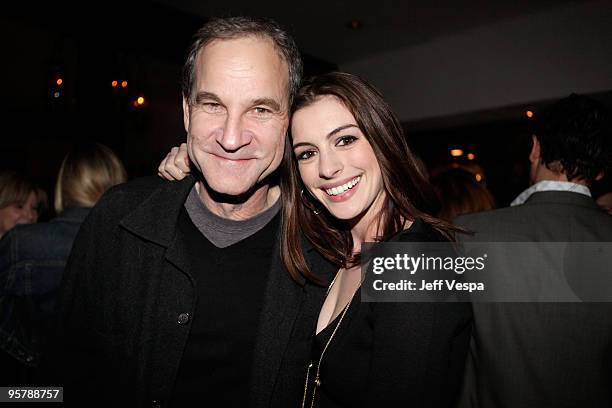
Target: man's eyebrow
273, 104
330, 134
206, 96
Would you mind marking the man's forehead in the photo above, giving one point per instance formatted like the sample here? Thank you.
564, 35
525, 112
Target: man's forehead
250, 63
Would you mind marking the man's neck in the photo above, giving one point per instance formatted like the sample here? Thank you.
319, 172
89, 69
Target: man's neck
545, 174
242, 208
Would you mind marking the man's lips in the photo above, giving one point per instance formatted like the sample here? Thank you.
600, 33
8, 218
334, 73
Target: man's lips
232, 159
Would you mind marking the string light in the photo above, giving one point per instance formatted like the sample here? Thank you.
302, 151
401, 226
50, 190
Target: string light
124, 84
456, 152
471, 156
529, 114
114, 84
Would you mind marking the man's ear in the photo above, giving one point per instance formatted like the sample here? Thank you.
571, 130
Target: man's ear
534, 156
186, 115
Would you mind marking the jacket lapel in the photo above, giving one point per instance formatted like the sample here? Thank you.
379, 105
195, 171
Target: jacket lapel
156, 218
284, 301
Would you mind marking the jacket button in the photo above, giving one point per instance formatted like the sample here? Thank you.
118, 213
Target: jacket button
183, 318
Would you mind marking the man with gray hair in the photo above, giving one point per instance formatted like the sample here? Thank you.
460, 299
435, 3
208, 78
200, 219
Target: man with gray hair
175, 291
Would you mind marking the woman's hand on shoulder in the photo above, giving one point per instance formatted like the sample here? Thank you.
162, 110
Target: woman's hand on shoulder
175, 165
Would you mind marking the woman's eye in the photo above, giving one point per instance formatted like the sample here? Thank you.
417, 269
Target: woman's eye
305, 155
345, 140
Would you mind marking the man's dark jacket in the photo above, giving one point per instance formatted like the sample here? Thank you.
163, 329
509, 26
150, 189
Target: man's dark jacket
128, 299
534, 355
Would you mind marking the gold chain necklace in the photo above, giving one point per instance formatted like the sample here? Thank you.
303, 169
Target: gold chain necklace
317, 381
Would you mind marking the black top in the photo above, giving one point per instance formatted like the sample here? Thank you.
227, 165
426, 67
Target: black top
230, 283
394, 354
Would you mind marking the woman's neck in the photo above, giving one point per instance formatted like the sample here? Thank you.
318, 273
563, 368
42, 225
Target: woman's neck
367, 227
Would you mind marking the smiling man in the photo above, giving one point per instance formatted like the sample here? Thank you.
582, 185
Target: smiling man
175, 292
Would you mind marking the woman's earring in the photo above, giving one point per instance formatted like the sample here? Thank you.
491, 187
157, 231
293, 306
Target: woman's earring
308, 204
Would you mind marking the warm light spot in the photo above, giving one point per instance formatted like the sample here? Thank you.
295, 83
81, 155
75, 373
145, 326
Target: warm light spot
135, 104
114, 84
56, 95
478, 177
59, 81
471, 156
124, 84
529, 114
355, 24
140, 100
456, 152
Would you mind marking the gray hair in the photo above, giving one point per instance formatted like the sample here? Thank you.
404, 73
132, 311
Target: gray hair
237, 27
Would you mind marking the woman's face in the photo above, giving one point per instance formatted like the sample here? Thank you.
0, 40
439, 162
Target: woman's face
335, 160
14, 214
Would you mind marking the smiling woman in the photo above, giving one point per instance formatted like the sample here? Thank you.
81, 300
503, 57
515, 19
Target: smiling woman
352, 179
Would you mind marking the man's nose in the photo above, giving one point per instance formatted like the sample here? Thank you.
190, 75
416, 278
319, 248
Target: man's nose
330, 165
234, 136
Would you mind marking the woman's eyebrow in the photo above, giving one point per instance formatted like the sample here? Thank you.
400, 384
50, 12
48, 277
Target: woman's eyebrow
330, 134
341, 128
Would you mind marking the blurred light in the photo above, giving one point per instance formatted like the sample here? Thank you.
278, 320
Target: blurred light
56, 95
140, 100
529, 114
355, 24
114, 84
478, 177
471, 156
124, 84
59, 81
456, 152
135, 104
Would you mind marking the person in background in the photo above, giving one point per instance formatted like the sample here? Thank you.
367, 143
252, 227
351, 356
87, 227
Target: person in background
21, 201
460, 193
602, 193
33, 257
535, 354
604, 201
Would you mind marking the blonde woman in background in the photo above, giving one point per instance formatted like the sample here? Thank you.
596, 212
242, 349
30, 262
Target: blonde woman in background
33, 257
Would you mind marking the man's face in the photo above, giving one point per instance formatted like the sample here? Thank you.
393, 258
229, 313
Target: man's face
238, 120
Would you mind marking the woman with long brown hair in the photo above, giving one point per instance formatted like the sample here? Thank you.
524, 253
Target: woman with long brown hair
349, 177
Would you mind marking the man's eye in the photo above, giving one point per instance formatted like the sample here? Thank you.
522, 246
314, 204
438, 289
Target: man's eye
345, 140
305, 155
212, 107
261, 111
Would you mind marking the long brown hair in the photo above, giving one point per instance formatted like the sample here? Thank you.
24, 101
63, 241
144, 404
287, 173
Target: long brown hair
409, 196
